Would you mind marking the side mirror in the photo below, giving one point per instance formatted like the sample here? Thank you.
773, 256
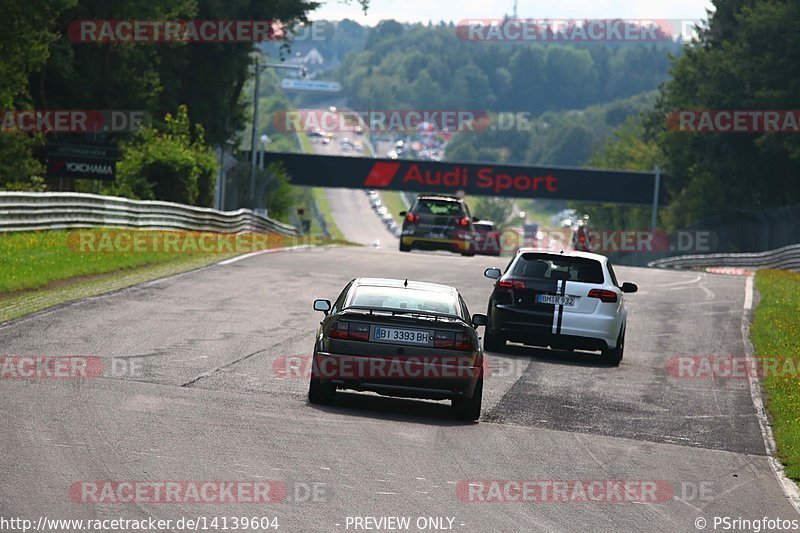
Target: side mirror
403, 213
479, 320
492, 273
629, 287
322, 305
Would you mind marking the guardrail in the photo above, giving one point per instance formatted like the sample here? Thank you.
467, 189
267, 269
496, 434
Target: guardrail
787, 258
26, 211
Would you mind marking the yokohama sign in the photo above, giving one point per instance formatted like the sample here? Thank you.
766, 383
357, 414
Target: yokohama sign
565, 183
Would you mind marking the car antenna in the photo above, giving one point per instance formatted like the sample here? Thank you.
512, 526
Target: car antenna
405, 283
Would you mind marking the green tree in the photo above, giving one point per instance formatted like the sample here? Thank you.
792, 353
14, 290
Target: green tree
27, 30
498, 210
173, 164
747, 58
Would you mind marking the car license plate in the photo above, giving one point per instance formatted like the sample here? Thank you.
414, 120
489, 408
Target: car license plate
402, 336
433, 235
549, 299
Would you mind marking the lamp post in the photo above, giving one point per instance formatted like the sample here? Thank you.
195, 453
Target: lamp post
259, 68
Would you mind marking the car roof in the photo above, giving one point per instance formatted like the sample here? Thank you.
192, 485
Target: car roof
438, 197
485, 222
565, 253
400, 283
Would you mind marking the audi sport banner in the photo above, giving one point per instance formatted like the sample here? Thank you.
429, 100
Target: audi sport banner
563, 183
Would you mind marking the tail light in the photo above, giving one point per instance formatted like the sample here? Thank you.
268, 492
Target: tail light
608, 297
463, 222
412, 218
350, 331
511, 283
453, 341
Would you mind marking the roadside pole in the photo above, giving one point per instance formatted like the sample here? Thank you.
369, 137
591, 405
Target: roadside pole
656, 194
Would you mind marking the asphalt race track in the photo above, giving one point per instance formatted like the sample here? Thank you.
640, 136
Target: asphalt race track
210, 401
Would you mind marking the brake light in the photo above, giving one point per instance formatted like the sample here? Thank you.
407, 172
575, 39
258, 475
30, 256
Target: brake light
511, 283
444, 339
608, 297
412, 218
464, 222
350, 331
464, 342
453, 341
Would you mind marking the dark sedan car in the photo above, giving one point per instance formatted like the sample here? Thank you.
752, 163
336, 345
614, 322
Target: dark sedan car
399, 338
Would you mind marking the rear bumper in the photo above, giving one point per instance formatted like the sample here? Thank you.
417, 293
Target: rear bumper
584, 331
451, 244
397, 376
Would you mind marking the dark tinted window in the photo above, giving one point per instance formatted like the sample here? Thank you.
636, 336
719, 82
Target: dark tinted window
558, 267
483, 228
438, 207
402, 298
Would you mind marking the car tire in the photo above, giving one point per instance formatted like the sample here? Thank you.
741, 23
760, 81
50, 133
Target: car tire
404, 247
470, 408
470, 252
613, 356
320, 393
493, 342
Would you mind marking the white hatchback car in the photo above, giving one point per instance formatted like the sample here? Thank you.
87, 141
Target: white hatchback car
567, 300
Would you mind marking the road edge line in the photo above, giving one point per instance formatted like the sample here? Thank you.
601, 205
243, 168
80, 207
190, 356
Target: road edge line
262, 252
790, 488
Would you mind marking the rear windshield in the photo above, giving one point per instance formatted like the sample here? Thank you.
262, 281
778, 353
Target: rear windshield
558, 267
401, 298
483, 227
438, 207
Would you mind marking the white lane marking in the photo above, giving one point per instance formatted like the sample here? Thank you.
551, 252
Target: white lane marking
677, 283
748, 293
789, 488
253, 254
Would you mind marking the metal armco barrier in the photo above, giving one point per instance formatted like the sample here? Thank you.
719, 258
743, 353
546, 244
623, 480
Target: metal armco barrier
786, 258
25, 211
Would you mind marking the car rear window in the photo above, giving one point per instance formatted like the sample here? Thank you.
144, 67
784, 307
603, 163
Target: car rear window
401, 298
438, 207
483, 228
558, 267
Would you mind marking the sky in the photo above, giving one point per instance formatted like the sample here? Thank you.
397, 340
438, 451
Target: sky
456, 10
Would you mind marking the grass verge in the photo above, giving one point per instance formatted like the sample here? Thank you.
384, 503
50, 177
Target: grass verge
393, 202
42, 269
321, 199
318, 196
775, 333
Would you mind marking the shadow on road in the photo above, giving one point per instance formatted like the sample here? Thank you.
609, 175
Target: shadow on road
396, 409
557, 357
